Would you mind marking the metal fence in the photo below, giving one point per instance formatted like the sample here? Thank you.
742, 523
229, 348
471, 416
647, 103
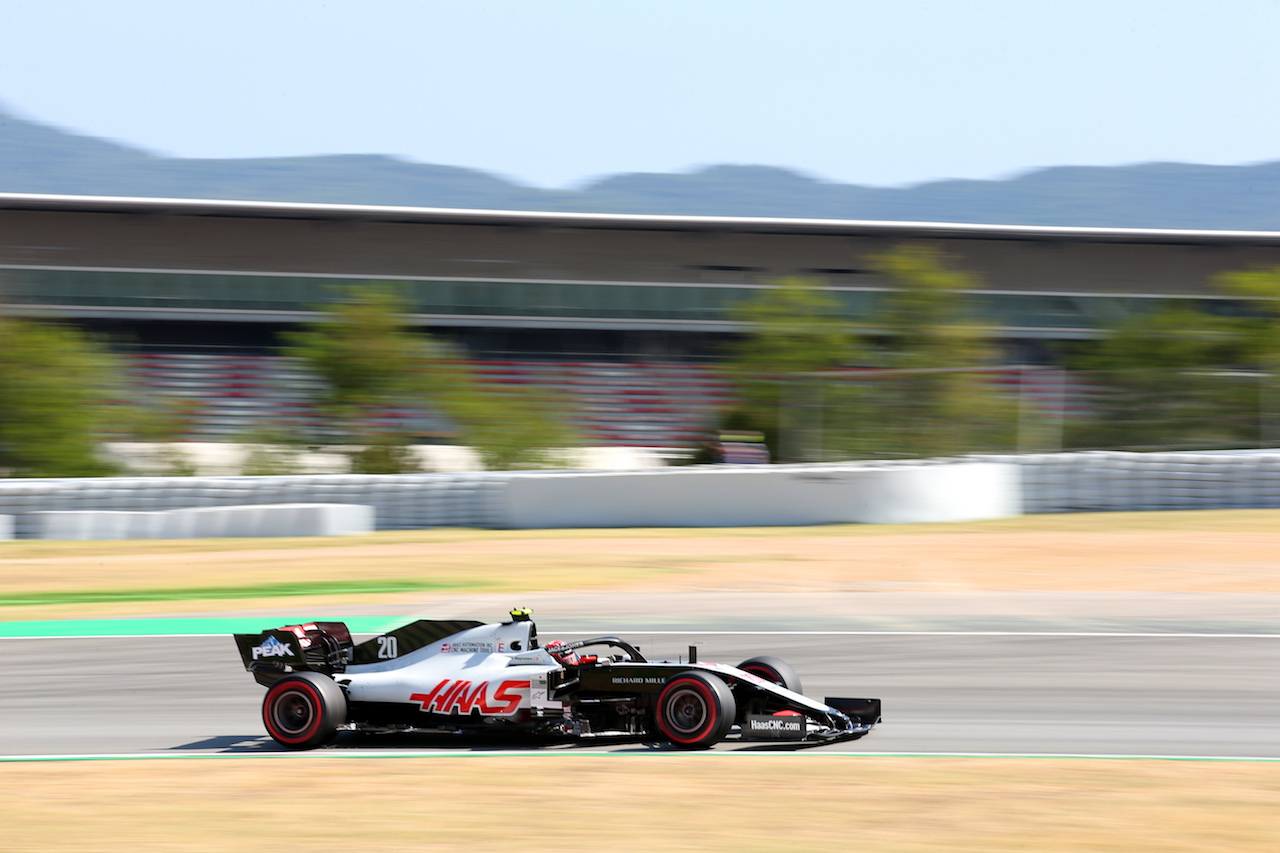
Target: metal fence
903, 414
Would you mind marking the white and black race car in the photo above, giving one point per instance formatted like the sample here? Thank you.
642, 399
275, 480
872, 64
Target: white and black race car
459, 676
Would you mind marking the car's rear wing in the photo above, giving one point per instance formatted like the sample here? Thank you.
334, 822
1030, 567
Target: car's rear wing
327, 647
318, 646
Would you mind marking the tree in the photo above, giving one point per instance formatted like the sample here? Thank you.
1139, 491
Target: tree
1180, 377
1166, 379
1260, 333
56, 389
362, 352
922, 392
1260, 340
368, 360
934, 395
796, 335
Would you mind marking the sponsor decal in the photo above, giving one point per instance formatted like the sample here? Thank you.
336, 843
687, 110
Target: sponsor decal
272, 648
468, 648
777, 727
638, 679
776, 724
539, 696
461, 697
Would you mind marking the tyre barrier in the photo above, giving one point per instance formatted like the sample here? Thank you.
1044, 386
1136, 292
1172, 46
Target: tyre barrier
206, 522
399, 502
1104, 481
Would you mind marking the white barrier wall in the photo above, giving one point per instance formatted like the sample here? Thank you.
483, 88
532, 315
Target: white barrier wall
206, 523
713, 495
722, 496
6, 526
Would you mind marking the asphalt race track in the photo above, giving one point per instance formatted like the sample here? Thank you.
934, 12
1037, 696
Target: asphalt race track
1171, 695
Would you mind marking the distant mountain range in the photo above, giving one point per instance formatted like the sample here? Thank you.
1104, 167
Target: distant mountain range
36, 158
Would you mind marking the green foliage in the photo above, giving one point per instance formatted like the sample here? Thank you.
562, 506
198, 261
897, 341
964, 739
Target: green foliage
55, 396
926, 315
797, 334
1262, 284
368, 359
797, 330
385, 453
508, 427
361, 351
273, 451
1259, 336
925, 394
1167, 379
935, 397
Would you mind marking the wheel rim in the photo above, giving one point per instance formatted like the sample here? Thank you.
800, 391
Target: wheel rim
293, 712
687, 711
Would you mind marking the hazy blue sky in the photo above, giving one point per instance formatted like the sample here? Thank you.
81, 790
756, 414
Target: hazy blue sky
556, 92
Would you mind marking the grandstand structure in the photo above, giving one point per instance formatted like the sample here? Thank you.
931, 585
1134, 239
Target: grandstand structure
623, 315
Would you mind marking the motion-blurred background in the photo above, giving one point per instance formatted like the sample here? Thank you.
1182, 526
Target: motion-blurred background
237, 232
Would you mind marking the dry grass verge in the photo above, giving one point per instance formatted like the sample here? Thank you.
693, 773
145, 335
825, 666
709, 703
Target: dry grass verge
652, 802
1189, 552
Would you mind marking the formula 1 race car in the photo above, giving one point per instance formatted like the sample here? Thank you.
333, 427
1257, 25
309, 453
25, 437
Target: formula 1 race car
460, 676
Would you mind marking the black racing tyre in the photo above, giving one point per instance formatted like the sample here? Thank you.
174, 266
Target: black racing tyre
304, 710
695, 710
774, 670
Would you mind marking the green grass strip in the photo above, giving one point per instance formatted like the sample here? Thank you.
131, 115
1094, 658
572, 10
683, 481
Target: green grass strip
268, 590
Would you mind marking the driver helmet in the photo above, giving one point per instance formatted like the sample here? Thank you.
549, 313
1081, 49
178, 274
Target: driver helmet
569, 657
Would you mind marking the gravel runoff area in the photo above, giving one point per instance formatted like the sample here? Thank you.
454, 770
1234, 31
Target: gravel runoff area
1161, 570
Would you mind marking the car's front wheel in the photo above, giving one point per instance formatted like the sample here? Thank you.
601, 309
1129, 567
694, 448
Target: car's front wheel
695, 710
773, 670
304, 710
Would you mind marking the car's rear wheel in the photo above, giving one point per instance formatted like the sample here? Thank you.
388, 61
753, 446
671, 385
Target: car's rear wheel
774, 670
695, 710
304, 710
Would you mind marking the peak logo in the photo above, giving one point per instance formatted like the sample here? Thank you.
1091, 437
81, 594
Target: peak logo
461, 697
272, 648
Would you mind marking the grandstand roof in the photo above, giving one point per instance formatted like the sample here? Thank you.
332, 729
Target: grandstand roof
630, 222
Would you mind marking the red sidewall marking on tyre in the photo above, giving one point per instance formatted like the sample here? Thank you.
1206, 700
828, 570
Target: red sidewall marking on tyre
707, 697
764, 674
269, 711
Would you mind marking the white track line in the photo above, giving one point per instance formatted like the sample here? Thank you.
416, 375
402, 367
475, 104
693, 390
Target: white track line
526, 753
